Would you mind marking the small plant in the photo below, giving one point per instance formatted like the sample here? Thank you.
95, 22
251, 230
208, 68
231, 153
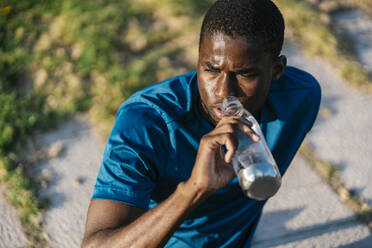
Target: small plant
330, 173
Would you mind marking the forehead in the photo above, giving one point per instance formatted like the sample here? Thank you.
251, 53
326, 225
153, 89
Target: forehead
220, 47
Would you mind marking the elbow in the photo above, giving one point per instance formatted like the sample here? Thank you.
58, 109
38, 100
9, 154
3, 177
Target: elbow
86, 243
97, 239
89, 241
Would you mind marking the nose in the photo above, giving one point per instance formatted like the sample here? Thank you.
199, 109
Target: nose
226, 86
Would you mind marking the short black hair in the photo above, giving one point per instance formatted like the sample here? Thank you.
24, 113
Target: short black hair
255, 20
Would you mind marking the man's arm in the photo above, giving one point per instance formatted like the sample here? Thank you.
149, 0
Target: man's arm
112, 224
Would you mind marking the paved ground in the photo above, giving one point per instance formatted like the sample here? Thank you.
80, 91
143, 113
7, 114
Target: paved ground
72, 176
307, 213
344, 135
359, 26
11, 231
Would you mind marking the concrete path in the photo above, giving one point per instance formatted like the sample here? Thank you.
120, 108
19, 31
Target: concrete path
11, 231
342, 134
72, 177
307, 213
359, 27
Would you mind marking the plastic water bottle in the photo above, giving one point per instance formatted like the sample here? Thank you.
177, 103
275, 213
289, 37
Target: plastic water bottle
253, 162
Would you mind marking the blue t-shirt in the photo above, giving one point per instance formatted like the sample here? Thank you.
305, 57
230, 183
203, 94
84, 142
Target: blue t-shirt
155, 139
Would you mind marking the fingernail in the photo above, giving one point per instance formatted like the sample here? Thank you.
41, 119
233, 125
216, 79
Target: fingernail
227, 159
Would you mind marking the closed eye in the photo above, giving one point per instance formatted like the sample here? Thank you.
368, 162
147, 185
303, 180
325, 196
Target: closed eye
211, 68
249, 75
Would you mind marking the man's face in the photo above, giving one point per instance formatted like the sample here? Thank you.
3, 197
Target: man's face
234, 67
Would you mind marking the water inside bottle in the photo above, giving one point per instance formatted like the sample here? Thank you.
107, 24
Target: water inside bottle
253, 162
258, 181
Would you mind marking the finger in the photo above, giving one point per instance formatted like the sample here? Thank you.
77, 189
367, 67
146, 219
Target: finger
246, 127
220, 158
234, 120
250, 132
228, 156
231, 144
229, 124
234, 123
230, 140
227, 119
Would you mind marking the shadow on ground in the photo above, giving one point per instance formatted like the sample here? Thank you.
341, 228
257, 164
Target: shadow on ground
289, 235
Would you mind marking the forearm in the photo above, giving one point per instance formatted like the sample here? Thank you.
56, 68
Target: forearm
156, 226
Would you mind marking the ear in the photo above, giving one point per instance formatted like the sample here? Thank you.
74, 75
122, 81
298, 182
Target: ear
279, 65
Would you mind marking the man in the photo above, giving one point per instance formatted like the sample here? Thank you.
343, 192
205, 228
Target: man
164, 179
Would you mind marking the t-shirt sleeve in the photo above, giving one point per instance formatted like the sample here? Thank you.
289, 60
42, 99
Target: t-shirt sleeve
314, 104
133, 155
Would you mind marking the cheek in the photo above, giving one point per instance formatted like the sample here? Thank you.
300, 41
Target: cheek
250, 88
210, 87
256, 87
206, 89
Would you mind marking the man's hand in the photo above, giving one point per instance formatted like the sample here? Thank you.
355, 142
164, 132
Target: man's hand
212, 169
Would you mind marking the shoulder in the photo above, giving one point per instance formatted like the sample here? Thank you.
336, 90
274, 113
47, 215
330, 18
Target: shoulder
297, 85
170, 98
139, 134
137, 113
295, 79
296, 93
145, 115
136, 120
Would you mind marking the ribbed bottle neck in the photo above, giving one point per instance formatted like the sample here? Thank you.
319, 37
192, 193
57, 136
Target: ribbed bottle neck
232, 106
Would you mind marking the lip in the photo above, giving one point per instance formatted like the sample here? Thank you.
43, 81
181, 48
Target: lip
218, 112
